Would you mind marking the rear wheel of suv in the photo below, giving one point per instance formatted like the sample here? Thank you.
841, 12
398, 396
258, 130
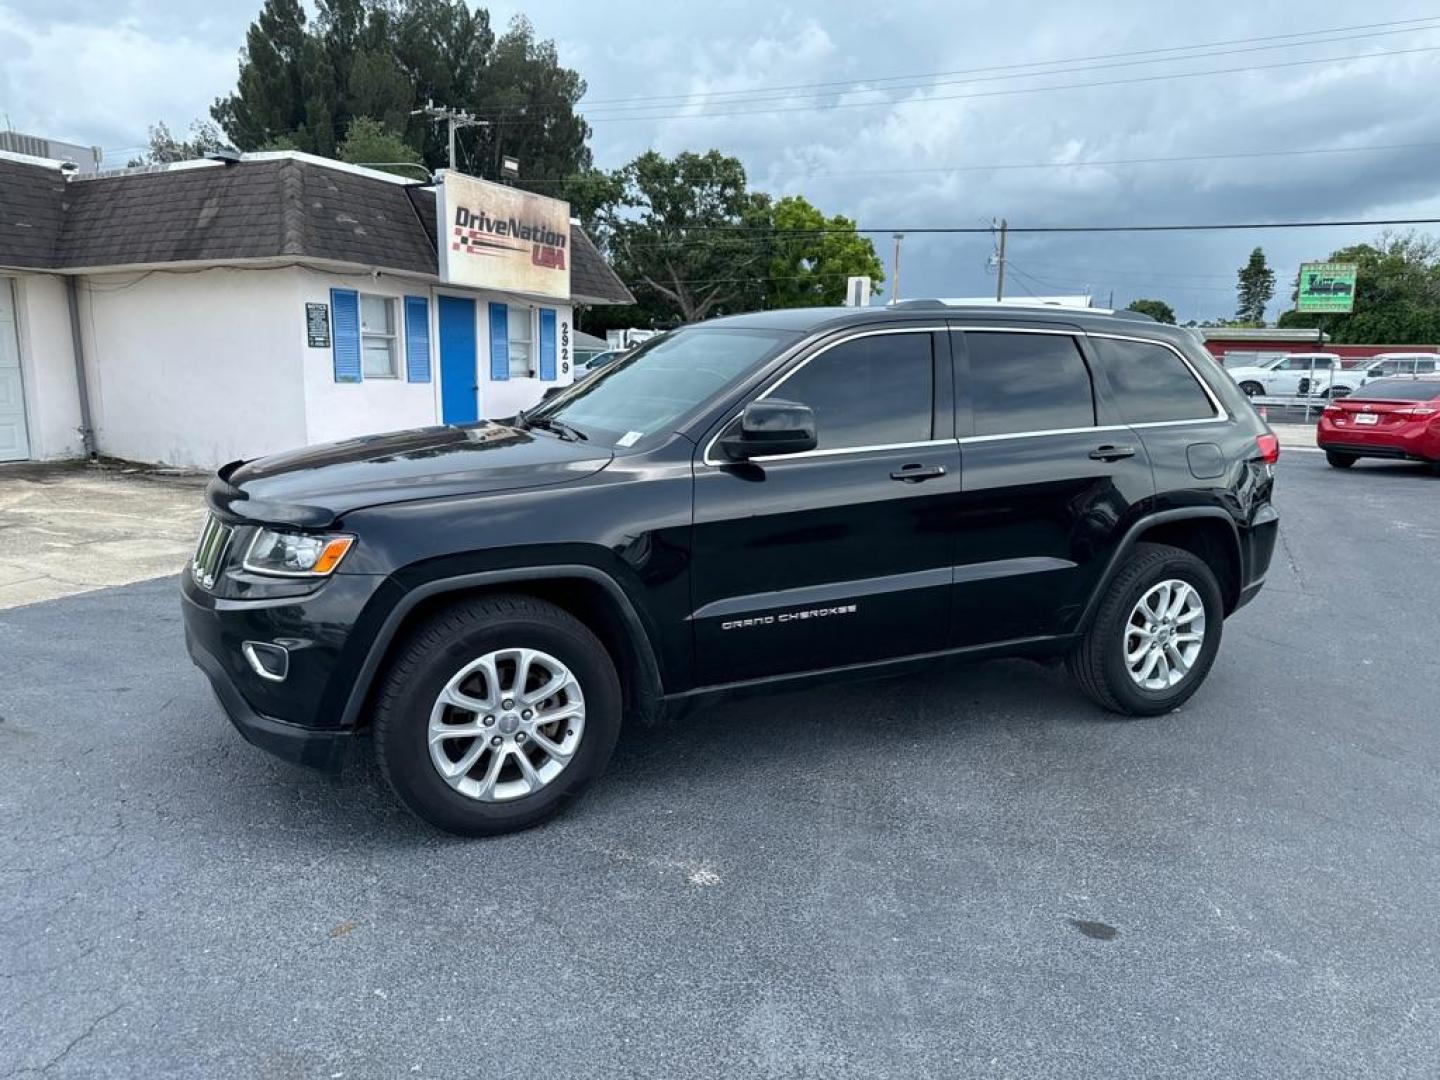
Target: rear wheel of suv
1338, 460
1155, 635
495, 714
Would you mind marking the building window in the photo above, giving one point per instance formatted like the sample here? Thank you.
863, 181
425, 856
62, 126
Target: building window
522, 342
377, 336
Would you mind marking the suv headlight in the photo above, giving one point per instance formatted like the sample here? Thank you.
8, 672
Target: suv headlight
291, 554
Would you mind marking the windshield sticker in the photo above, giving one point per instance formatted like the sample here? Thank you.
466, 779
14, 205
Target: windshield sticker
630, 438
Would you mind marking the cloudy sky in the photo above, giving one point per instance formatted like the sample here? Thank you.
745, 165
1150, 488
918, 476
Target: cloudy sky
930, 113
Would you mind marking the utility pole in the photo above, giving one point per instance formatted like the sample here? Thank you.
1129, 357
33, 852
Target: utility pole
895, 269
1000, 264
455, 120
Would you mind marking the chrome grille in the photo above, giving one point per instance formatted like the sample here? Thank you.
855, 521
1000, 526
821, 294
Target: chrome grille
210, 551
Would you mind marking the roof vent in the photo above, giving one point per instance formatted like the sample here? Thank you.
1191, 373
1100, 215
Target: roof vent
226, 155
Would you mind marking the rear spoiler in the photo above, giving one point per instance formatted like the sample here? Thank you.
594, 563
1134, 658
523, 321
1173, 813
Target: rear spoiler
232, 504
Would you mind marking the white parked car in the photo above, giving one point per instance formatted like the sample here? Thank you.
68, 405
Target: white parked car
1288, 375
1381, 366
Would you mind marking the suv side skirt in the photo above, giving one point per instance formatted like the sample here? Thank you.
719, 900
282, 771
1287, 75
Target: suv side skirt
1035, 647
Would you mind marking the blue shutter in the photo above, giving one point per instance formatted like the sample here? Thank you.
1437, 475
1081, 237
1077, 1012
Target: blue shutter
345, 334
499, 342
417, 339
547, 343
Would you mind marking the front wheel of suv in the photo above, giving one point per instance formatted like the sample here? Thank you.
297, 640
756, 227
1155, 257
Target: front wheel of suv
1155, 635
495, 714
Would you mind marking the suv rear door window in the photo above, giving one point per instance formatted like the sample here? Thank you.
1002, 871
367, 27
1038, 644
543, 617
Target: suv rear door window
1150, 383
869, 391
1022, 383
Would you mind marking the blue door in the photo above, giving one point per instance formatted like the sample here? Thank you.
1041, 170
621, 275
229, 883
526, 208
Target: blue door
459, 386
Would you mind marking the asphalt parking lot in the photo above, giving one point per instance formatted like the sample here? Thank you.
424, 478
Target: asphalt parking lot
973, 874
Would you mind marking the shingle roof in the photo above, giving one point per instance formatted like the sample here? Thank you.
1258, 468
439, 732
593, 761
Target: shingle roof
31, 210
590, 275
255, 209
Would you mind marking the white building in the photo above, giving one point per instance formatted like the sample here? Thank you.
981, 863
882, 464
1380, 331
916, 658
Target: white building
197, 313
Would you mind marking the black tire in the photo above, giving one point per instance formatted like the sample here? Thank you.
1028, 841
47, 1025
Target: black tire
1338, 460
1097, 664
440, 648
1252, 389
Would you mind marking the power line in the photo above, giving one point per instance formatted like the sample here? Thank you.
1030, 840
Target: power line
1376, 54
1243, 155
453, 120
911, 76
761, 234
618, 111
1111, 162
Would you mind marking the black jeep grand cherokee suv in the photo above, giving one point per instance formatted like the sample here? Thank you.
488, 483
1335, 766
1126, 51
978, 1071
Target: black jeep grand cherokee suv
737, 505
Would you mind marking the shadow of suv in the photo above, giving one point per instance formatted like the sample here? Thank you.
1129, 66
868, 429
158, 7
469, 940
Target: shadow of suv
738, 505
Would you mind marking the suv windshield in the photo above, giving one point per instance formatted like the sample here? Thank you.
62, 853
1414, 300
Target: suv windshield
644, 393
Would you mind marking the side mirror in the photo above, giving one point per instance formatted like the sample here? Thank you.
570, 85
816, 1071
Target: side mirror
771, 427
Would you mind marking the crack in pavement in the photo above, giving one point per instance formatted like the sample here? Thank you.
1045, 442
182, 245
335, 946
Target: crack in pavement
69, 1047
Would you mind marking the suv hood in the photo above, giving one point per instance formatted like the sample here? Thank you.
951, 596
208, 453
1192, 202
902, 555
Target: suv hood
311, 488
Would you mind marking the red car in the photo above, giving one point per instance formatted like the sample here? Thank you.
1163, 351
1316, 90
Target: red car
1388, 418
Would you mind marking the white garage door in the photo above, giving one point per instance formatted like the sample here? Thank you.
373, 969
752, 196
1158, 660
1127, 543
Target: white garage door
14, 444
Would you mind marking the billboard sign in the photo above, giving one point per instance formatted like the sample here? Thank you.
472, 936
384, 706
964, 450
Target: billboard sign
497, 237
1327, 288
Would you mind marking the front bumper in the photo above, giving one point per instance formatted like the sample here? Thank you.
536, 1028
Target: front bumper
316, 749
296, 718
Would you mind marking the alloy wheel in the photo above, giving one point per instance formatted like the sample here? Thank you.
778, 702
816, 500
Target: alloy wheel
506, 725
1164, 635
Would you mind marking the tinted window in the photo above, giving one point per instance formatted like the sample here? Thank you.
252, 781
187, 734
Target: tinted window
1401, 390
1150, 383
644, 392
1028, 382
871, 391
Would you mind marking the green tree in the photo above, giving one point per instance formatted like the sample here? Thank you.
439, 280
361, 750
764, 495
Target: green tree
1397, 294
282, 81
1255, 288
371, 142
308, 80
1158, 310
812, 255
683, 235
165, 147
529, 99
693, 241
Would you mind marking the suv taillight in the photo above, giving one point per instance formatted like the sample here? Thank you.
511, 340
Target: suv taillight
1269, 447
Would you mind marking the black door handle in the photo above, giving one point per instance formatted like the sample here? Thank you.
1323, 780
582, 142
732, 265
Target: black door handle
1111, 453
913, 474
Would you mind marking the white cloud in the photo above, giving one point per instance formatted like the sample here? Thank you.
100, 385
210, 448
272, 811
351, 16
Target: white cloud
82, 71
102, 84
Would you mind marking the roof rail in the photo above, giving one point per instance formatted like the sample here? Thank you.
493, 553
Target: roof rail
932, 304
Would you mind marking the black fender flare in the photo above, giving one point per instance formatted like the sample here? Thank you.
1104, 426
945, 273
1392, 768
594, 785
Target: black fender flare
1131, 538
385, 636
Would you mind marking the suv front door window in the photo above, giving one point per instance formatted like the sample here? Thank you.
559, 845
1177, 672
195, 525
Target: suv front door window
842, 554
